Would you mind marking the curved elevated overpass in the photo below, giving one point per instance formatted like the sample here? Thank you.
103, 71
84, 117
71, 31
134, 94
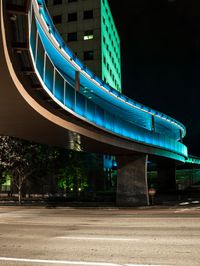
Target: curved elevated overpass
48, 95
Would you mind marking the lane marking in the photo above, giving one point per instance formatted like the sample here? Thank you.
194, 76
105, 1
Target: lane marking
67, 262
97, 238
182, 210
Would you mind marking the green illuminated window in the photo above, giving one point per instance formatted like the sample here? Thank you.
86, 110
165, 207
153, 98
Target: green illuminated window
6, 186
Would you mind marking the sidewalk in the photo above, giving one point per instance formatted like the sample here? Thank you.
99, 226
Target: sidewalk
189, 199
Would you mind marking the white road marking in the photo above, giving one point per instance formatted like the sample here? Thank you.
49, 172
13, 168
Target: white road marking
11, 214
67, 262
182, 210
97, 238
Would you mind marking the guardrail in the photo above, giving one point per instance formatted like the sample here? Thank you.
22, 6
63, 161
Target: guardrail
61, 87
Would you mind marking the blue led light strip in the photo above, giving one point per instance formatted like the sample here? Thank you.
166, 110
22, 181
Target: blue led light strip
96, 80
108, 122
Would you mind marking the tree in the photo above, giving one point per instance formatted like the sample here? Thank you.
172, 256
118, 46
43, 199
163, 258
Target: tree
21, 159
72, 175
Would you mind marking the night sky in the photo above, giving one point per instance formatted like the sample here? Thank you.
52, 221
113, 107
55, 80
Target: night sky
160, 52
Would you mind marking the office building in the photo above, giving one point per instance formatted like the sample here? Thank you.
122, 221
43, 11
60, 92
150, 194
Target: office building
87, 26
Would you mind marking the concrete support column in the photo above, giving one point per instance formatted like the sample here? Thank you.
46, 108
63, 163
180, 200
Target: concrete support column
132, 189
166, 178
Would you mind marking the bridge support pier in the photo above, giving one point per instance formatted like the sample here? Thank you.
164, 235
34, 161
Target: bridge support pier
166, 178
132, 187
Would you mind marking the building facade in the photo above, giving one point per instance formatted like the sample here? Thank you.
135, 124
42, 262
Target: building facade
87, 26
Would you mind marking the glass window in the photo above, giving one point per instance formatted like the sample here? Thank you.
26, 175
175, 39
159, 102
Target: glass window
90, 114
33, 34
57, 2
72, 36
104, 60
49, 73
88, 14
72, 16
89, 35
57, 19
80, 104
99, 116
40, 58
59, 87
88, 55
104, 39
69, 96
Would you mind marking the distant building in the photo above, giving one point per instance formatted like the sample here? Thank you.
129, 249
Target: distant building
87, 26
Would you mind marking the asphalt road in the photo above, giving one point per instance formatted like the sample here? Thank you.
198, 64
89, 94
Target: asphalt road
99, 237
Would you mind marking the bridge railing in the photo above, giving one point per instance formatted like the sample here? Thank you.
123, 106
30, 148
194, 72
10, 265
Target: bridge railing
64, 94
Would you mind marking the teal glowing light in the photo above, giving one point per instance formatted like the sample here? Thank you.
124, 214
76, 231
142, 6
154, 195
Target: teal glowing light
110, 43
104, 107
193, 160
104, 91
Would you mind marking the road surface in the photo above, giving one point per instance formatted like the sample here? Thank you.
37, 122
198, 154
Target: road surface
99, 236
